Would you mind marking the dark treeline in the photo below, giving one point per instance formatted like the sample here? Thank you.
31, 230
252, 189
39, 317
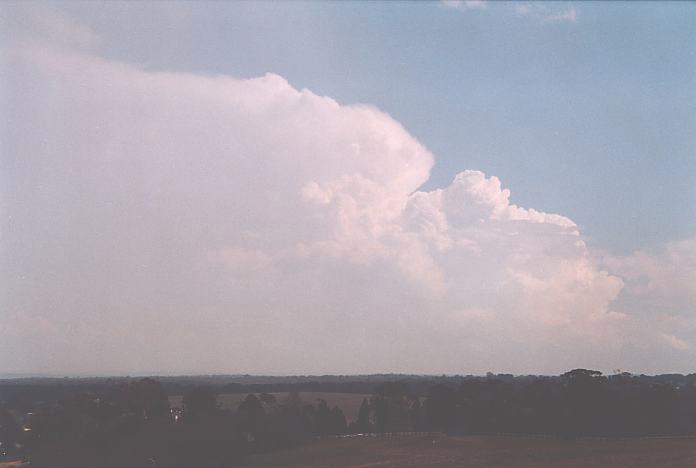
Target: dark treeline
24, 393
578, 403
129, 422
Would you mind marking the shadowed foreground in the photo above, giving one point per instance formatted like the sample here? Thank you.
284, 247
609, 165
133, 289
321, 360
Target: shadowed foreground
485, 451
595, 421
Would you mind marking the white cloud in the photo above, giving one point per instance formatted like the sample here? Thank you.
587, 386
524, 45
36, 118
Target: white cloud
660, 291
675, 342
547, 12
570, 15
182, 222
668, 273
465, 4
523, 8
31, 22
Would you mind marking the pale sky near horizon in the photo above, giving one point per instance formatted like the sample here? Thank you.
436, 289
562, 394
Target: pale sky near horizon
347, 187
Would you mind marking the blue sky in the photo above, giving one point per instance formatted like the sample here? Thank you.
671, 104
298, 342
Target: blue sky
571, 115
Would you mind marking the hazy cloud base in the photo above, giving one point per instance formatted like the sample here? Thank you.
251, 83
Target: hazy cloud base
172, 222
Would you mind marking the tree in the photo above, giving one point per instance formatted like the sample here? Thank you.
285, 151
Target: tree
337, 421
440, 409
251, 414
584, 375
391, 405
415, 415
363, 422
145, 398
586, 402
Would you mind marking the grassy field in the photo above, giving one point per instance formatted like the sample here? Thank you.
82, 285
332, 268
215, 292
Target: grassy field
484, 451
348, 402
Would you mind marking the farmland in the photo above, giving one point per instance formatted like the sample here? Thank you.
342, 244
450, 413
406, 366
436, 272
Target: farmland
348, 402
484, 451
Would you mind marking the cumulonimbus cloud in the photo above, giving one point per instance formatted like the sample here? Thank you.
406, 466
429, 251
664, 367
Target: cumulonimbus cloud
177, 222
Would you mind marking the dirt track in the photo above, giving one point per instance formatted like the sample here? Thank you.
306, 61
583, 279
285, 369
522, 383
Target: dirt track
485, 451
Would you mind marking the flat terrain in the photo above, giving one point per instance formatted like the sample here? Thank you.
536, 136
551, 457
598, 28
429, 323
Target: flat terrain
348, 402
484, 451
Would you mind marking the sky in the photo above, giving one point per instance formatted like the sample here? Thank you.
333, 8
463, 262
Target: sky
347, 187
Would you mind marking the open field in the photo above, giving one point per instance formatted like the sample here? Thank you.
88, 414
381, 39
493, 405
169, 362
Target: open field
348, 402
11, 464
485, 451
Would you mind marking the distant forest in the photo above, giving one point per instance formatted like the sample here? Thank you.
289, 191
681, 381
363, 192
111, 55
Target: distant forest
117, 422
